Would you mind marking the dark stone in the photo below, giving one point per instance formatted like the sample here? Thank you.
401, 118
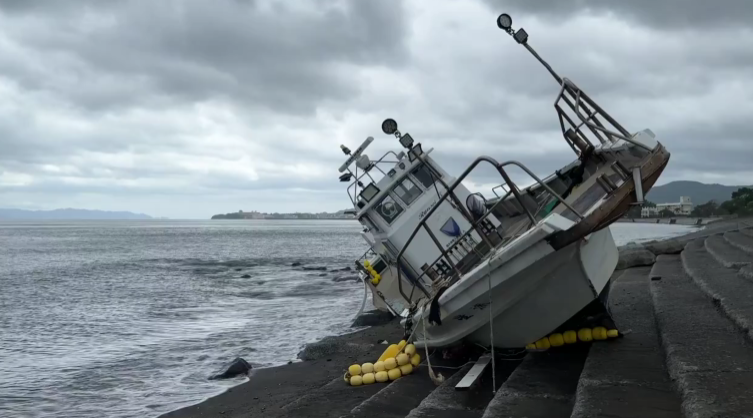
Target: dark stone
346, 278
332, 345
237, 367
634, 257
669, 246
372, 318
316, 268
238, 269
246, 276
295, 264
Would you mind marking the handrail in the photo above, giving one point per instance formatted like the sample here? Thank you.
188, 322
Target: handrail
449, 192
581, 103
358, 178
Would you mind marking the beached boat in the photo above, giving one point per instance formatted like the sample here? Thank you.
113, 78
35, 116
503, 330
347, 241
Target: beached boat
507, 270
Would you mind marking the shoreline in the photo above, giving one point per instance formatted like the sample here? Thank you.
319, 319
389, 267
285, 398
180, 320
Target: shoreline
269, 390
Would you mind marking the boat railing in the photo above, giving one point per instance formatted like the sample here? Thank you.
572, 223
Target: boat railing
600, 124
375, 164
475, 223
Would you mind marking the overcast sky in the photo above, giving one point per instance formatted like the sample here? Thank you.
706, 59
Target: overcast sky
187, 108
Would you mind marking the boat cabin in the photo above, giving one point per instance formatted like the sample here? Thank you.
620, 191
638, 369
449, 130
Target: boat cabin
391, 197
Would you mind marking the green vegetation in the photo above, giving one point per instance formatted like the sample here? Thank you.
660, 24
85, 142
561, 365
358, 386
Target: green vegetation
741, 204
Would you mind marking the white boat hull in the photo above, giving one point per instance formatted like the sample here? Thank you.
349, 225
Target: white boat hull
534, 290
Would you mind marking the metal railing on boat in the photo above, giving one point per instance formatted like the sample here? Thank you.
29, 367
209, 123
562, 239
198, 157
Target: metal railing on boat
475, 223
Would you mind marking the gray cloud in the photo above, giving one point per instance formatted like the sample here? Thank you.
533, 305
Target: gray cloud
183, 109
670, 14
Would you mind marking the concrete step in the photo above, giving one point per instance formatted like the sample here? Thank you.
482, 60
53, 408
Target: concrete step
332, 400
739, 240
726, 254
446, 402
398, 398
709, 359
627, 377
542, 386
732, 293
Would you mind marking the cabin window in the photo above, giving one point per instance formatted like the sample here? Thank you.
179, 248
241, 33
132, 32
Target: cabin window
424, 175
379, 266
388, 209
407, 191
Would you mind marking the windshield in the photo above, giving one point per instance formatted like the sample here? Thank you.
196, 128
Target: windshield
407, 191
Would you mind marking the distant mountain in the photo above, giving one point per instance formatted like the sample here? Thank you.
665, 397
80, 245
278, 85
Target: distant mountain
64, 214
699, 192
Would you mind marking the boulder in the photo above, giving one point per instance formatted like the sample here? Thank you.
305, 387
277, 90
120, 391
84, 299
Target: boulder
668, 246
635, 256
373, 318
246, 276
315, 268
296, 264
237, 367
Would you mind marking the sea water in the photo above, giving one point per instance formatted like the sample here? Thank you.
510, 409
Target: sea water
129, 318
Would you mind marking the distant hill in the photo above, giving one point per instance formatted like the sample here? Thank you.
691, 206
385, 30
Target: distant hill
64, 214
699, 192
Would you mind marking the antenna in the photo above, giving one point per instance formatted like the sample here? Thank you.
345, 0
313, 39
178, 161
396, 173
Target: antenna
504, 22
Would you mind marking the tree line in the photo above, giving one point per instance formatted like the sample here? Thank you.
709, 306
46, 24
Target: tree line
741, 204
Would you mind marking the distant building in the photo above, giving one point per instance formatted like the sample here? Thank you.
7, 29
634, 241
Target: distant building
649, 212
683, 207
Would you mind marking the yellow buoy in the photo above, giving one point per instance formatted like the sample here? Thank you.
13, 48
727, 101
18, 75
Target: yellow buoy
379, 366
406, 369
570, 337
613, 333
585, 335
531, 347
401, 344
556, 340
415, 360
402, 359
368, 378
543, 344
367, 368
599, 333
366, 263
390, 364
375, 281
356, 380
378, 276
354, 370
410, 350
391, 351
381, 377
394, 374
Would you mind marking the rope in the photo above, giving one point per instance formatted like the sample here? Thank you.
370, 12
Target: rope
491, 329
434, 378
363, 303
